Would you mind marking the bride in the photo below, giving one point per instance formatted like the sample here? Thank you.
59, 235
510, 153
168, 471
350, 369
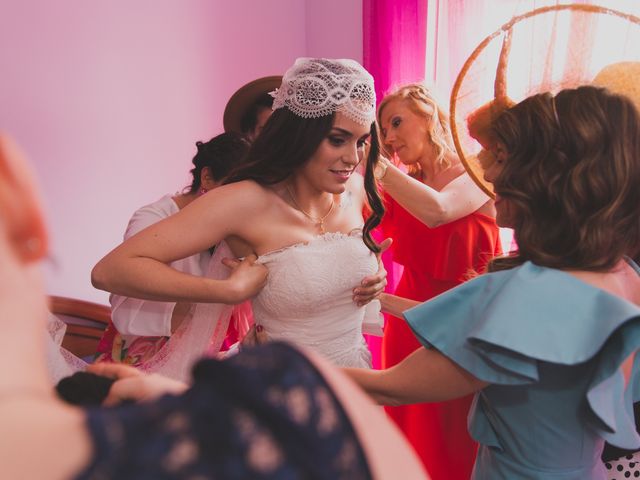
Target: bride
295, 207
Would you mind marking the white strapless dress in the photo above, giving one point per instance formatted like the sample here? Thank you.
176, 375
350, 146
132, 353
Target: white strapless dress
308, 297
307, 301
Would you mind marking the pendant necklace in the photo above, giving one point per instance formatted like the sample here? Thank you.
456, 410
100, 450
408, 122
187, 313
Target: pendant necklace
318, 221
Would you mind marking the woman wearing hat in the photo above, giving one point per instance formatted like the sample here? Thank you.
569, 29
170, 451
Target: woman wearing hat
250, 107
294, 207
547, 340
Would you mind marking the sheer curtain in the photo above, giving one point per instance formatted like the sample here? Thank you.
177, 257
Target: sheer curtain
458, 26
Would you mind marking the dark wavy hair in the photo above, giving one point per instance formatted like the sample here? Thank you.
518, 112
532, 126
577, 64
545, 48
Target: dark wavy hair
573, 178
287, 142
220, 154
249, 119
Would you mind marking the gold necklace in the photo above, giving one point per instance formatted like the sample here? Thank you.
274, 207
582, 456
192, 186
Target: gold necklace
319, 221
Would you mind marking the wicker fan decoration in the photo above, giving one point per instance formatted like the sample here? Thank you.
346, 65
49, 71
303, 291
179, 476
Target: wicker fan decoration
544, 50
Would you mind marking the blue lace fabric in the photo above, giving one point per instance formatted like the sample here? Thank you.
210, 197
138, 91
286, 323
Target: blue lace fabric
266, 413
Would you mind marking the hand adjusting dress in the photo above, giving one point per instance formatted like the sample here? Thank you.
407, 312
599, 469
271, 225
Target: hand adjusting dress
308, 296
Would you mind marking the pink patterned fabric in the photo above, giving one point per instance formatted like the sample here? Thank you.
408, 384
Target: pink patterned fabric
202, 334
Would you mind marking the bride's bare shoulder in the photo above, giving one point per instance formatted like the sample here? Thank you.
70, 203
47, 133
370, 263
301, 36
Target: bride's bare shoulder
245, 187
246, 193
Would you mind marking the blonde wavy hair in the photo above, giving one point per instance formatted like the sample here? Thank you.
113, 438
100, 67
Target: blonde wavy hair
419, 98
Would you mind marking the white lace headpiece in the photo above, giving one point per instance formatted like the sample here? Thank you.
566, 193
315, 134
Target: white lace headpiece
315, 87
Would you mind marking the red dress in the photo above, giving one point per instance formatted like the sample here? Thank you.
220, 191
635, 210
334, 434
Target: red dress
434, 260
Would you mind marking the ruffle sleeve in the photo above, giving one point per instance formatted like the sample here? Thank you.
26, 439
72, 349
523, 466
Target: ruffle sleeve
500, 326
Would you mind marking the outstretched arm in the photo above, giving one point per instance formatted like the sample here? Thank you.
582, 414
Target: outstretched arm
396, 305
139, 266
424, 376
457, 199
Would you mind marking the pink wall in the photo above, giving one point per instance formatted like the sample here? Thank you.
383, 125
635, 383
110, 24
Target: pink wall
108, 99
334, 29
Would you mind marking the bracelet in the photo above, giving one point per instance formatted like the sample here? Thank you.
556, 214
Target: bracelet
381, 169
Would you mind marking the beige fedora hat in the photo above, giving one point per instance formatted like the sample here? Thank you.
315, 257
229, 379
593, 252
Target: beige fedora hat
244, 98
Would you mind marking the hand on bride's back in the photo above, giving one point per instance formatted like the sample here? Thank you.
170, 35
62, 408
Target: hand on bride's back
247, 277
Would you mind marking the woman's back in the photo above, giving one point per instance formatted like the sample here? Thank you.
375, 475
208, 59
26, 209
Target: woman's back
553, 349
540, 429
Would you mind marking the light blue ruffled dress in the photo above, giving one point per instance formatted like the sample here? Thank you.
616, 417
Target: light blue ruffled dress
551, 347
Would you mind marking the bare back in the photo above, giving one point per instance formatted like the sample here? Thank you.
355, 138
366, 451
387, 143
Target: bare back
622, 281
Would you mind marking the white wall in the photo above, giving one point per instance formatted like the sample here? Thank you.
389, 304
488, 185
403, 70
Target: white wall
109, 98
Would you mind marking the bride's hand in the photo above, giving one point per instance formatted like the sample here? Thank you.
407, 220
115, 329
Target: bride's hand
371, 287
247, 277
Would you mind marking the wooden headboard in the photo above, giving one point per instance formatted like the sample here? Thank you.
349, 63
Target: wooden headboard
86, 321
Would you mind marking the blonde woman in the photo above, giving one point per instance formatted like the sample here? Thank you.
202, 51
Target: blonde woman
443, 228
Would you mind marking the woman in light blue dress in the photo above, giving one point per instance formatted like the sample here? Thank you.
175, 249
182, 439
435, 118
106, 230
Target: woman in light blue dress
547, 339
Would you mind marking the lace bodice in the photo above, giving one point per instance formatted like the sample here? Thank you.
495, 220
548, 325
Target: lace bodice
308, 297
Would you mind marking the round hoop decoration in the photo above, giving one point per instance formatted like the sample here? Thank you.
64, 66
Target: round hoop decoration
544, 50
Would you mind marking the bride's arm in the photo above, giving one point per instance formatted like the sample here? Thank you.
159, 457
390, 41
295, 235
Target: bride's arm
139, 266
